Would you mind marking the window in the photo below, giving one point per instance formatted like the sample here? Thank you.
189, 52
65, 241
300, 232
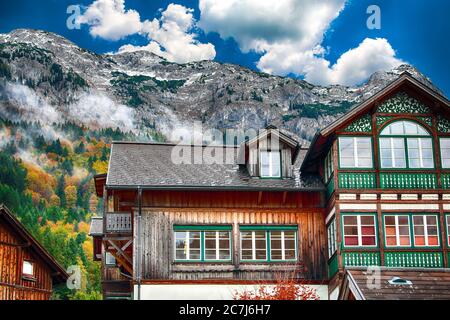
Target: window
202, 243
445, 152
359, 231
331, 230
355, 152
402, 136
217, 245
426, 231
328, 167
397, 231
109, 259
28, 268
187, 245
276, 244
282, 245
270, 164
253, 245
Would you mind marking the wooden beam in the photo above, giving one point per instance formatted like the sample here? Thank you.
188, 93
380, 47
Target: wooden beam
119, 250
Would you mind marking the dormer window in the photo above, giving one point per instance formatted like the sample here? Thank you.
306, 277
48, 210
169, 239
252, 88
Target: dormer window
270, 164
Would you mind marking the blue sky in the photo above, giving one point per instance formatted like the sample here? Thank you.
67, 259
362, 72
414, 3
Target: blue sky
276, 40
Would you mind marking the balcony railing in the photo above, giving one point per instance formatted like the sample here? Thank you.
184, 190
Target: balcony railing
361, 259
414, 259
408, 181
357, 180
118, 222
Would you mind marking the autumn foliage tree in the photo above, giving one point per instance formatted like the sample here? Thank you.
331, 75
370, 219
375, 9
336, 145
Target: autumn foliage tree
286, 287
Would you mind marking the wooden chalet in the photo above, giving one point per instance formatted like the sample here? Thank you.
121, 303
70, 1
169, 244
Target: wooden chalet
371, 190
27, 270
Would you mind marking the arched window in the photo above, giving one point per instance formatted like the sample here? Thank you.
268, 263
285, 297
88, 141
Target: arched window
406, 144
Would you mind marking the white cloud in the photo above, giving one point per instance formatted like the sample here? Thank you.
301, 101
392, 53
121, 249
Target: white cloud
355, 65
289, 35
109, 20
173, 36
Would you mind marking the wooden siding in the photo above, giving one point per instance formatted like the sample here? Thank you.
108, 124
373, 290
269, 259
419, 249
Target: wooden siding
157, 244
13, 286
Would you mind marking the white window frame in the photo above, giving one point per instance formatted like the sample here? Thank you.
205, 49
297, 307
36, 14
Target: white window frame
188, 245
425, 230
254, 245
25, 265
441, 153
355, 153
283, 245
359, 227
331, 232
217, 249
397, 231
271, 164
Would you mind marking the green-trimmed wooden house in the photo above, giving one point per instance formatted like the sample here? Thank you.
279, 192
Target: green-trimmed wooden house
386, 168
371, 190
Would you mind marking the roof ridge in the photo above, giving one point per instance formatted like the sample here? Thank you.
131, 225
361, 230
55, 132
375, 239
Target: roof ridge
173, 144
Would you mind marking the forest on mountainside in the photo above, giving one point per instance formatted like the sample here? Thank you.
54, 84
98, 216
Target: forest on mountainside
46, 180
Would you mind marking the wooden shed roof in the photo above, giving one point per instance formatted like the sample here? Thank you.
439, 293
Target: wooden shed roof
59, 274
395, 284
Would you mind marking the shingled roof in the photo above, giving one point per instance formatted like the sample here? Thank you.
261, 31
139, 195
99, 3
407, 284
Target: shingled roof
395, 284
149, 165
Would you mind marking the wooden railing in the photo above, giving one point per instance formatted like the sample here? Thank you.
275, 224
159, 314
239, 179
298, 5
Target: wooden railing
445, 178
408, 181
357, 180
118, 222
414, 259
361, 259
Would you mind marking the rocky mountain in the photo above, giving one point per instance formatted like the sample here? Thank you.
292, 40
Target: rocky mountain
44, 77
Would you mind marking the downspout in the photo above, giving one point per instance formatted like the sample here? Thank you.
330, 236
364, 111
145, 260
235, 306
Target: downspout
138, 239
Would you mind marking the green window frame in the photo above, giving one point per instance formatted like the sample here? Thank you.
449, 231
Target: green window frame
427, 227
209, 241
356, 226
358, 152
267, 237
328, 167
399, 227
332, 243
444, 147
405, 145
271, 164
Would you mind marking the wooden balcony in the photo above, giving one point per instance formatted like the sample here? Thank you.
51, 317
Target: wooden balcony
118, 222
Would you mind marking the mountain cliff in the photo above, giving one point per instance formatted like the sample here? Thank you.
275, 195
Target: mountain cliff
46, 78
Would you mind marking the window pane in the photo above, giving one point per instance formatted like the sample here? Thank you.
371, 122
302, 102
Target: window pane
347, 152
27, 268
276, 163
350, 220
265, 164
351, 240
368, 241
445, 152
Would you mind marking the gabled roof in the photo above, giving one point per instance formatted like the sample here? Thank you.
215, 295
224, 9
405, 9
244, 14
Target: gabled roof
404, 80
395, 284
150, 166
282, 136
6, 216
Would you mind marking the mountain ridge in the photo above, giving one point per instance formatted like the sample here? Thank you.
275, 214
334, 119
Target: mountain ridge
141, 91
